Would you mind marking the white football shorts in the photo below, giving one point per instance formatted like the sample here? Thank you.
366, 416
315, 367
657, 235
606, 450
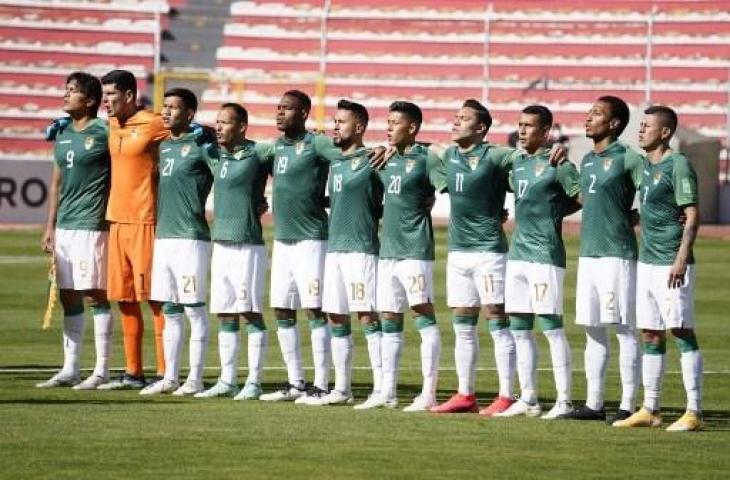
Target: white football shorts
605, 291
349, 282
403, 283
659, 307
297, 271
237, 277
534, 288
81, 259
180, 270
475, 278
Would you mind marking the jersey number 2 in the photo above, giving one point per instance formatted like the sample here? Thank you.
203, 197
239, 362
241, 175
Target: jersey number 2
591, 188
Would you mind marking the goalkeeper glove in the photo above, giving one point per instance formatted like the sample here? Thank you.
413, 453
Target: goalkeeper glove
203, 134
55, 127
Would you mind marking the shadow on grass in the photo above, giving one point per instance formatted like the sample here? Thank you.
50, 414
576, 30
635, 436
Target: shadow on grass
81, 401
29, 366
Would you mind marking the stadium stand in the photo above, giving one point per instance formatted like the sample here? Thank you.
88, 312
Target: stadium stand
432, 52
564, 54
41, 42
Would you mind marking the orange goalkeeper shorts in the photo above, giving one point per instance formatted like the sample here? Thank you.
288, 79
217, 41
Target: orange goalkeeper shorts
130, 261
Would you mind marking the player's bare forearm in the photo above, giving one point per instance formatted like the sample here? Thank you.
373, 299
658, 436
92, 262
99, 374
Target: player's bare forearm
689, 235
49, 234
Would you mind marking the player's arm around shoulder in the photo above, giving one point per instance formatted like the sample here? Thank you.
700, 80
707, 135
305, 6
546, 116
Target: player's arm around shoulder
157, 130
569, 178
634, 165
436, 168
325, 148
211, 155
265, 153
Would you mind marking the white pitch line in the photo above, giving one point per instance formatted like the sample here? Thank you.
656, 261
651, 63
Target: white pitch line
441, 369
15, 259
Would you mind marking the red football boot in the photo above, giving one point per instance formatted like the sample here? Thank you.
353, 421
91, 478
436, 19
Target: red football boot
458, 403
499, 405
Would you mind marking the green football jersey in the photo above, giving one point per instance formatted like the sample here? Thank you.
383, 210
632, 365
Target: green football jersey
238, 189
543, 196
409, 180
300, 167
185, 181
85, 166
666, 187
477, 185
356, 199
609, 180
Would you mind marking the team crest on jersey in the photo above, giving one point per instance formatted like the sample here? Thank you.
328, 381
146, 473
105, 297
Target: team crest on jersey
185, 150
657, 177
607, 162
409, 165
88, 143
354, 163
299, 148
539, 168
473, 162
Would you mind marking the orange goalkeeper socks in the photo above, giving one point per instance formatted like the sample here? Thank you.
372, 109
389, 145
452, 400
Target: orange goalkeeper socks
132, 330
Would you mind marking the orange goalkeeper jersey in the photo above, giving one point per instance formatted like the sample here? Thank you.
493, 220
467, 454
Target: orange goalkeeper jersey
134, 149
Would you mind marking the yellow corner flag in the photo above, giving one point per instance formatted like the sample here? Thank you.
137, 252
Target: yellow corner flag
52, 294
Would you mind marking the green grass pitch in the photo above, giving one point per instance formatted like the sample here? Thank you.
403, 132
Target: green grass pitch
61, 433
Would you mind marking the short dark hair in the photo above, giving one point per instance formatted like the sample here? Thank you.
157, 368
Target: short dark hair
619, 110
122, 80
666, 115
240, 112
188, 98
304, 101
411, 110
89, 85
483, 114
360, 112
543, 113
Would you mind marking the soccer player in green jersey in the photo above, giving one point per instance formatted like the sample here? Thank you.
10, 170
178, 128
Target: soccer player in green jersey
405, 268
77, 233
605, 293
544, 194
356, 197
666, 270
300, 164
182, 242
239, 255
476, 173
